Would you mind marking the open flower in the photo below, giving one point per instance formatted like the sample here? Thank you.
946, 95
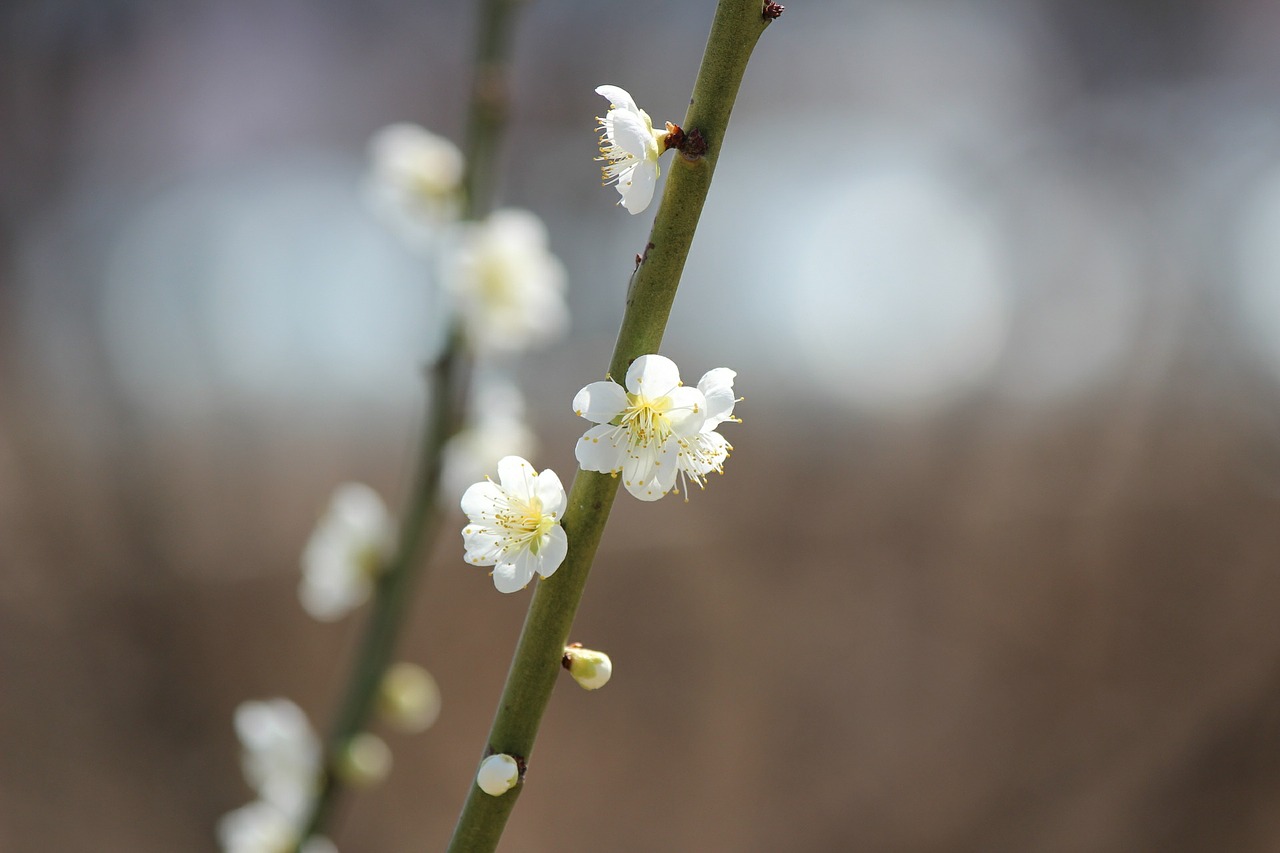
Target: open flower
707, 450
281, 758
515, 524
629, 149
643, 428
415, 180
345, 553
507, 285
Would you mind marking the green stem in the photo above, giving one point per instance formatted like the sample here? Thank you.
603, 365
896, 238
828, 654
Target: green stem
536, 664
448, 381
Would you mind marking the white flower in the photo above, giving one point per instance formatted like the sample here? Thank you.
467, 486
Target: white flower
281, 759
591, 669
707, 450
515, 524
415, 181
496, 428
260, 827
498, 774
629, 148
507, 286
345, 553
642, 429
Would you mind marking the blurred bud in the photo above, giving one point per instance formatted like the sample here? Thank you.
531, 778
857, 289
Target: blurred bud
365, 761
498, 774
589, 668
409, 699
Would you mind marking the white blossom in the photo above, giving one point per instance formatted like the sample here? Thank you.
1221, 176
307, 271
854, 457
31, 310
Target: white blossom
643, 429
498, 774
707, 450
629, 149
506, 284
281, 757
415, 180
281, 762
515, 524
495, 428
260, 827
345, 553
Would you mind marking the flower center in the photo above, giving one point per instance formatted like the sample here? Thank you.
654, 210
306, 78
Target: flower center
525, 523
646, 420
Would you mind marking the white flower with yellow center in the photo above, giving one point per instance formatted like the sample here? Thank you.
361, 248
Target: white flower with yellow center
506, 284
415, 180
643, 429
629, 149
707, 450
345, 553
515, 524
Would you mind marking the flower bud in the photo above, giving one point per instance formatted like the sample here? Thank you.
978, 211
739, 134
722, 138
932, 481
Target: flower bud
589, 668
498, 774
365, 761
409, 699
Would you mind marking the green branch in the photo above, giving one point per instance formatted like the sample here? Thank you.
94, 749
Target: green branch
534, 669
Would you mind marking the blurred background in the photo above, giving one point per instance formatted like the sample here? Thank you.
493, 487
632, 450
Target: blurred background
994, 566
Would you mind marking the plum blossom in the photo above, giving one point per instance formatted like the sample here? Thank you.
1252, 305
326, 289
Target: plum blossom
630, 149
415, 181
707, 450
515, 524
345, 553
506, 284
643, 429
498, 774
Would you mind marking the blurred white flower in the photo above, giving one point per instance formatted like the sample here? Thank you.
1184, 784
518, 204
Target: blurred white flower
591, 669
498, 774
506, 284
415, 180
707, 450
629, 149
515, 524
642, 429
495, 428
345, 553
365, 761
281, 758
260, 827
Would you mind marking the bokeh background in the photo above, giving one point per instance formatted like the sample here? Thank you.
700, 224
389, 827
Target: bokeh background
995, 564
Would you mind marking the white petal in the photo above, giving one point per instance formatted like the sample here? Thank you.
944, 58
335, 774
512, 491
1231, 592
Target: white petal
514, 576
552, 551
653, 376
630, 135
645, 491
637, 188
482, 546
618, 97
596, 450
688, 411
516, 476
548, 489
642, 463
600, 402
717, 386
479, 500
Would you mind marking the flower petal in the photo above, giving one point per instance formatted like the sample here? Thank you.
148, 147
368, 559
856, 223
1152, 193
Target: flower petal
618, 97
629, 135
516, 476
550, 491
717, 386
600, 402
597, 450
555, 545
480, 499
511, 577
653, 376
688, 411
637, 188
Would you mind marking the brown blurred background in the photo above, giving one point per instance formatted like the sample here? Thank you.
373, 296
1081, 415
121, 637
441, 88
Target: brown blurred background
994, 566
